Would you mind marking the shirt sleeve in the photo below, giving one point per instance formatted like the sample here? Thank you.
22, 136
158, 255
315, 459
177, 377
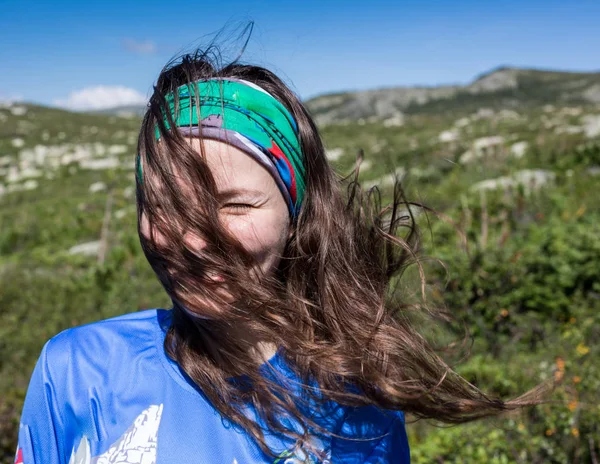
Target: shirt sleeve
40, 435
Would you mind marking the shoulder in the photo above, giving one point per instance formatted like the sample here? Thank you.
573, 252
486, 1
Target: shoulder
88, 382
103, 343
125, 329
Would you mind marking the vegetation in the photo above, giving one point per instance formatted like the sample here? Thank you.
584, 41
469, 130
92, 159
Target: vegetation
528, 288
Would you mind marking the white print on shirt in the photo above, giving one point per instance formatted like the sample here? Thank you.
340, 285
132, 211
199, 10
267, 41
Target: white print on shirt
136, 446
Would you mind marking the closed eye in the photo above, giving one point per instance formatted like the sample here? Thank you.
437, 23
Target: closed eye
237, 206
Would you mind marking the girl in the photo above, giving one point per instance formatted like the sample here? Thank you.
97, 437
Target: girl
283, 344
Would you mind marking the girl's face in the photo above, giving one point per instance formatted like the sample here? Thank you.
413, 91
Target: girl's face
251, 206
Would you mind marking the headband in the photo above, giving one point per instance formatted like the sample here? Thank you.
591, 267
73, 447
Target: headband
246, 116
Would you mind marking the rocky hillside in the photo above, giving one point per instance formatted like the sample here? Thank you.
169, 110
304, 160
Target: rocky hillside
503, 87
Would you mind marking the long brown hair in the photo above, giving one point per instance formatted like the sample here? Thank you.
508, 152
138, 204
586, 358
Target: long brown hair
332, 307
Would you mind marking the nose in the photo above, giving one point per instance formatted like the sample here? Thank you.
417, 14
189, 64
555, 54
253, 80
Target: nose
193, 241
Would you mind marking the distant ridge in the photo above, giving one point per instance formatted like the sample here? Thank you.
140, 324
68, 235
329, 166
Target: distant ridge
501, 87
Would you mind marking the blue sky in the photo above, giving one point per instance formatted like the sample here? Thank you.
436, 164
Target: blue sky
55, 52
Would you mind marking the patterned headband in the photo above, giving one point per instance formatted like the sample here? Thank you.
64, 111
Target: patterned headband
244, 115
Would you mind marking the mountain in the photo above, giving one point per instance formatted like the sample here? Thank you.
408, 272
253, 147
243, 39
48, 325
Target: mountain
503, 87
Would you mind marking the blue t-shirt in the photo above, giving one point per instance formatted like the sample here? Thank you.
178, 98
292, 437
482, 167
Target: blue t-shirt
107, 393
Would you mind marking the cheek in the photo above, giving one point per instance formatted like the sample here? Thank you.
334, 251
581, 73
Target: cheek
262, 234
145, 227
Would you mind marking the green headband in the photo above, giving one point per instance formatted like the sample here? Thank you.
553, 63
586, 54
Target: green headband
246, 116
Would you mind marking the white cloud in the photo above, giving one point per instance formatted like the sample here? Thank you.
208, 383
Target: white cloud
144, 47
101, 97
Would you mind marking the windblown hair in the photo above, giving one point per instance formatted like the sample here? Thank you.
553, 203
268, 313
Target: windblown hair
330, 307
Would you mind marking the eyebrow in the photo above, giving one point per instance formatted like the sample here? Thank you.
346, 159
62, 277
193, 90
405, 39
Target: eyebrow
227, 194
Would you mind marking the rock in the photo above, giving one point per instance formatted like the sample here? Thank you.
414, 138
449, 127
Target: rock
88, 248
448, 136
570, 129
365, 165
591, 125
334, 154
100, 163
395, 121
484, 113
534, 178
509, 115
481, 147
117, 149
467, 157
592, 93
79, 153
25, 127
423, 173
493, 184
462, 122
28, 185
487, 142
13, 175
530, 179
385, 180
571, 111
6, 160
378, 146
18, 110
16, 175
593, 170
518, 149
499, 79
120, 213
17, 142
379, 104
97, 187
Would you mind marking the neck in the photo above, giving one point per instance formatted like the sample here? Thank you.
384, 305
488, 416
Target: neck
260, 351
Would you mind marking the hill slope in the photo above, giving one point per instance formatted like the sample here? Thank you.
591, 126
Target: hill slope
504, 87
